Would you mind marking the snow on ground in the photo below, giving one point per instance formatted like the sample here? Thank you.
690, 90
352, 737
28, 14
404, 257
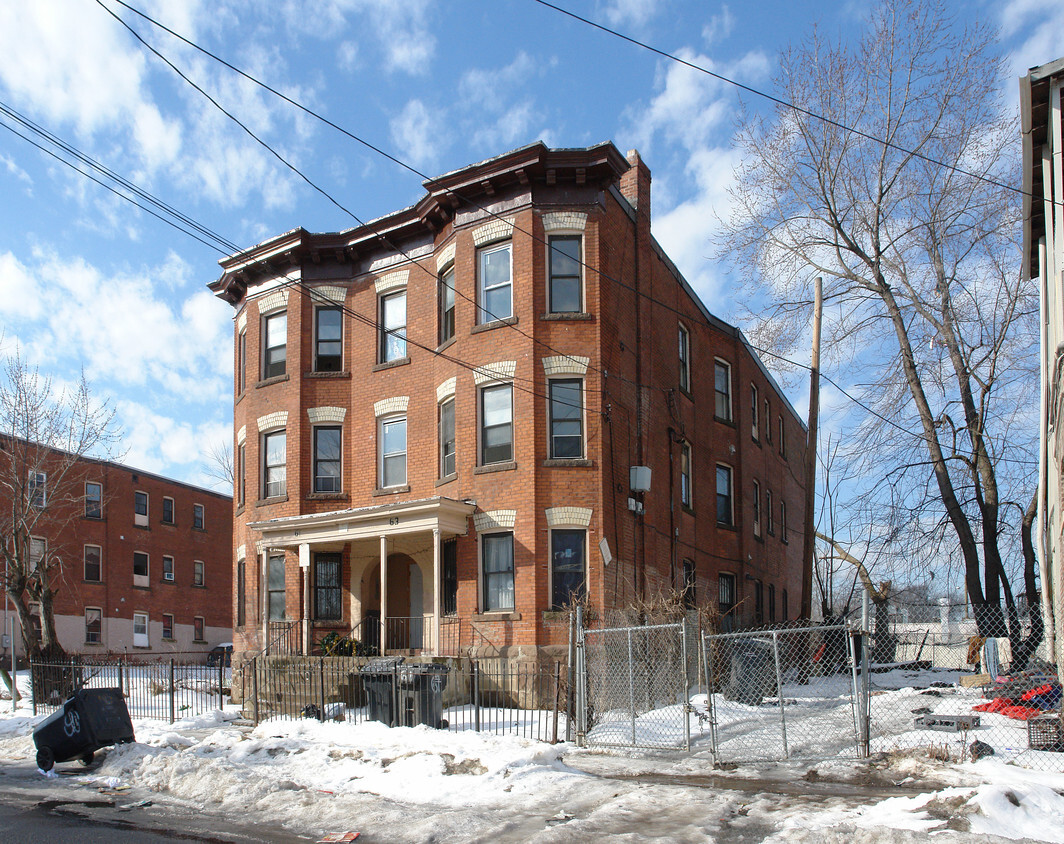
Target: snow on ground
418, 784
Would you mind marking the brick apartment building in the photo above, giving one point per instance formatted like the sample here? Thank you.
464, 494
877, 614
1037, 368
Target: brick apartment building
437, 417
146, 561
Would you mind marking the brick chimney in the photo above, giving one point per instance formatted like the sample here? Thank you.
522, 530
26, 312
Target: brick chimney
635, 184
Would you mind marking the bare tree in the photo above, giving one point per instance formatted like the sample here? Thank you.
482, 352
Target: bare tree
47, 434
895, 199
218, 464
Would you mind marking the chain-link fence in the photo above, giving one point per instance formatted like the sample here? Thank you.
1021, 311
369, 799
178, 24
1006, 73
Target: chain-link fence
635, 690
778, 694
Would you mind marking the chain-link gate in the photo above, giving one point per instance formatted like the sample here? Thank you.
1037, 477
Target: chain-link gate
786, 694
632, 687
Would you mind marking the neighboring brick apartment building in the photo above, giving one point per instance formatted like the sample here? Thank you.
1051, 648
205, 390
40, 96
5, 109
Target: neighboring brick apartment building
147, 562
437, 413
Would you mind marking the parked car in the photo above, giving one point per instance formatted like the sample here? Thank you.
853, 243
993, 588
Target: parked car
221, 655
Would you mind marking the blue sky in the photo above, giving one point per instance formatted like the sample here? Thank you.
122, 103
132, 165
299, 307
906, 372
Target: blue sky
88, 281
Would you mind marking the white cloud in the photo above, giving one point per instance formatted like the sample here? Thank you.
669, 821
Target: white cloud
1037, 26
631, 12
719, 26
16, 171
418, 133
347, 55
121, 326
159, 443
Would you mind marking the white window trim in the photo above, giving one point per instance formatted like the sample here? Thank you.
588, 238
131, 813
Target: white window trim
89, 641
203, 517
483, 317
381, 422
482, 594
450, 399
37, 486
263, 473
755, 413
168, 577
685, 449
264, 339
383, 333
99, 501
171, 637
142, 579
329, 306
147, 630
480, 423
203, 573
757, 509
173, 510
203, 628
314, 458
141, 520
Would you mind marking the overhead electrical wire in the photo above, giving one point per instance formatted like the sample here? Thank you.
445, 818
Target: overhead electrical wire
415, 171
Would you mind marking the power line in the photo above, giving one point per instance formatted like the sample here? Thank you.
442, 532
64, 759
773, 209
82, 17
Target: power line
787, 104
413, 170
104, 185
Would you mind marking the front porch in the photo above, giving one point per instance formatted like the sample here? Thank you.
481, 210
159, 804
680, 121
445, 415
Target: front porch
372, 580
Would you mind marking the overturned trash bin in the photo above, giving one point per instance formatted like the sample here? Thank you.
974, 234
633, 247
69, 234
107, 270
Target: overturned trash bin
420, 693
87, 721
753, 672
378, 679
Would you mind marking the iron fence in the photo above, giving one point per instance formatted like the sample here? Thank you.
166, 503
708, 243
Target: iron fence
499, 696
165, 689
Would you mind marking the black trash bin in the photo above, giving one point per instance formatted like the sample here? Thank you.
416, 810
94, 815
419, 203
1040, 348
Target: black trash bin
378, 679
87, 721
753, 672
420, 693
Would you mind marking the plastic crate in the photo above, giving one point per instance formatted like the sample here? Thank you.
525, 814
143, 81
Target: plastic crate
1044, 733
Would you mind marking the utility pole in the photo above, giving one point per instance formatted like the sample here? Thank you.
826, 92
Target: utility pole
809, 537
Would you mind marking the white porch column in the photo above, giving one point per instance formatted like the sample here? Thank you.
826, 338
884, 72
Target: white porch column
264, 595
384, 593
304, 566
436, 591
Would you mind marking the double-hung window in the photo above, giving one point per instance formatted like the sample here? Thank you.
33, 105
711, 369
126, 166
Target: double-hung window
568, 577
689, 597
564, 292
197, 516
36, 489
197, 573
495, 283
496, 424
725, 593
392, 451
446, 305
757, 509
328, 605
140, 569
168, 626
685, 359
140, 509
93, 500
275, 589
783, 440
783, 520
768, 421
198, 629
168, 568
241, 474
327, 458
93, 625
274, 464
566, 418
275, 330
393, 326
449, 597
241, 593
722, 390
93, 563
685, 474
497, 551
448, 452
768, 513
328, 339
725, 514
241, 361
168, 510
755, 428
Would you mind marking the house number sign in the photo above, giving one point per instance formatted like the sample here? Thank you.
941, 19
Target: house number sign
394, 520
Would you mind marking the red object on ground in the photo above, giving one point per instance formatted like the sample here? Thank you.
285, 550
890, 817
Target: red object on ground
1041, 690
996, 705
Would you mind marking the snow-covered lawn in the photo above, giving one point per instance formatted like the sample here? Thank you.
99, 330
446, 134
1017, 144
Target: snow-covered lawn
419, 784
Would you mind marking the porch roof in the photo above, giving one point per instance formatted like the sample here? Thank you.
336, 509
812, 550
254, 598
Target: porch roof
447, 515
